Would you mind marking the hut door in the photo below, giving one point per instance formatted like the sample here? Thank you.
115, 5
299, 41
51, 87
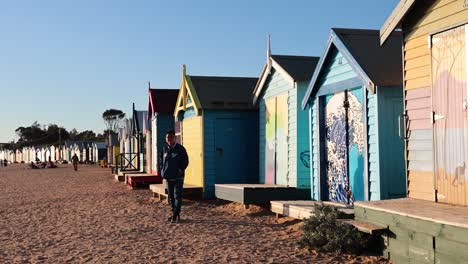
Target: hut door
449, 96
344, 130
276, 140
231, 150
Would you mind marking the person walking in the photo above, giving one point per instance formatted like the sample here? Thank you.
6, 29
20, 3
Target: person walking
173, 161
75, 162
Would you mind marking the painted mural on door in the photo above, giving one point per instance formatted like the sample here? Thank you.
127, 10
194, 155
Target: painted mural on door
344, 146
276, 147
449, 71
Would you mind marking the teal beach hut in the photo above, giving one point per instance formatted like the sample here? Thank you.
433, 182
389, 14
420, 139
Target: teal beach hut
284, 170
354, 101
284, 140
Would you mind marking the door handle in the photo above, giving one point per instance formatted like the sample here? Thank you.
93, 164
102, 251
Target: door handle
219, 151
400, 127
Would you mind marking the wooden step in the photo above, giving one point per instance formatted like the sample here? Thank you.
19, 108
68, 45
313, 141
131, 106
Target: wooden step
159, 190
119, 177
365, 227
302, 209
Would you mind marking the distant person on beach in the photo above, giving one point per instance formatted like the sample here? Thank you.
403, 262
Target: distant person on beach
173, 162
75, 162
33, 166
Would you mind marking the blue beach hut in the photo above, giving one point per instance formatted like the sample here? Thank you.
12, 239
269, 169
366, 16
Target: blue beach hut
218, 125
354, 100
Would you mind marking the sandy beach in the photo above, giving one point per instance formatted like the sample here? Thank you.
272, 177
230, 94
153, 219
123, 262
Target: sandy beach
62, 216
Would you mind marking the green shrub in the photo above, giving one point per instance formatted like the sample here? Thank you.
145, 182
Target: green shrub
322, 232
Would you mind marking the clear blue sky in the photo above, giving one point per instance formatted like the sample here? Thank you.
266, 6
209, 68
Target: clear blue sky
65, 62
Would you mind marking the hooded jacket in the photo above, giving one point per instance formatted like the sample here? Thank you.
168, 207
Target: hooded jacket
173, 162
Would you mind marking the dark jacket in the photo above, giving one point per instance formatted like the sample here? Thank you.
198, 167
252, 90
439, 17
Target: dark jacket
173, 162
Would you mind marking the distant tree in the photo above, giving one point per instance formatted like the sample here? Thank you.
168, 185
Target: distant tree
37, 134
112, 119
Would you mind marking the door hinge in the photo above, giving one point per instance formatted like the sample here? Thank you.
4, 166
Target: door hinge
436, 117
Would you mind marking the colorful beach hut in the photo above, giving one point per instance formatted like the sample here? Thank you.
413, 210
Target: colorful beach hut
99, 150
354, 100
283, 133
218, 125
431, 224
161, 105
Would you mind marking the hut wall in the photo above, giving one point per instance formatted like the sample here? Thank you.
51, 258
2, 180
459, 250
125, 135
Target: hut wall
302, 147
294, 174
241, 149
373, 149
192, 137
314, 146
427, 18
163, 123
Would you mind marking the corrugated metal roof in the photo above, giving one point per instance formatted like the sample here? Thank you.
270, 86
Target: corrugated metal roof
382, 64
300, 68
224, 92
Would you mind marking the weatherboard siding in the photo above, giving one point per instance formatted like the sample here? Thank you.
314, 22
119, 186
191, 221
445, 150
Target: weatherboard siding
292, 138
337, 70
419, 148
303, 139
262, 141
314, 146
192, 138
373, 147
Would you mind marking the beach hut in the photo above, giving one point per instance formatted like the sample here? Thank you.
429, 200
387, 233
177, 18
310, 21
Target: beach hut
354, 100
283, 135
431, 224
18, 156
57, 153
127, 157
99, 151
218, 125
52, 153
139, 122
25, 152
161, 105
46, 153
84, 152
435, 45
113, 148
12, 156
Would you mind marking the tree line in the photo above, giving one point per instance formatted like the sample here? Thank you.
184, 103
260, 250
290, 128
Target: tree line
52, 134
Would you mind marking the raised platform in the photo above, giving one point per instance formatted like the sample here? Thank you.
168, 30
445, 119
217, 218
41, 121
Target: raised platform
304, 209
192, 191
419, 231
259, 193
141, 180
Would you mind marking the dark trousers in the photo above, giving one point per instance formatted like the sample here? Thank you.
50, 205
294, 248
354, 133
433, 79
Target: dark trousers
174, 193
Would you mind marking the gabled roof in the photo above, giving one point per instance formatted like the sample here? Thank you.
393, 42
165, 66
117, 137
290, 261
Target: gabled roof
395, 18
376, 65
161, 101
223, 92
300, 68
292, 68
